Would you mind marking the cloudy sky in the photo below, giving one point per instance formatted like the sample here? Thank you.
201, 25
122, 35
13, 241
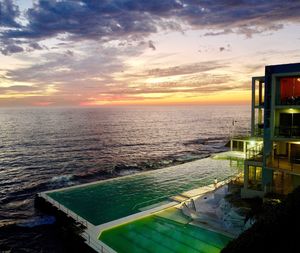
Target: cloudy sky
117, 52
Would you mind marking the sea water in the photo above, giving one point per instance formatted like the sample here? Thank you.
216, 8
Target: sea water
47, 148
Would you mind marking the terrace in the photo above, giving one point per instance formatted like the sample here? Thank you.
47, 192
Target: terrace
287, 131
287, 123
284, 164
285, 157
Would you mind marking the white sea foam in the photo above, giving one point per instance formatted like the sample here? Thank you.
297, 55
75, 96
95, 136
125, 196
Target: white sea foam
37, 221
62, 178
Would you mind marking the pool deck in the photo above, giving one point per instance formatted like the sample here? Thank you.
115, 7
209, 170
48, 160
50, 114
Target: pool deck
92, 232
133, 217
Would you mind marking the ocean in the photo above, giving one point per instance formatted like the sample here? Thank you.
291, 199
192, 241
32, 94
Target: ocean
48, 148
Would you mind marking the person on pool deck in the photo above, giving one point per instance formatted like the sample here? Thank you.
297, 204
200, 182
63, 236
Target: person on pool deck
215, 183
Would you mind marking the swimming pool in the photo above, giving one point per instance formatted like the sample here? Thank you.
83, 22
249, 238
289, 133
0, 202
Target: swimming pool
109, 200
165, 232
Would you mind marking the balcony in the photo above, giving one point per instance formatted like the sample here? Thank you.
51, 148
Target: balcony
259, 104
282, 183
287, 131
259, 130
283, 164
290, 101
255, 153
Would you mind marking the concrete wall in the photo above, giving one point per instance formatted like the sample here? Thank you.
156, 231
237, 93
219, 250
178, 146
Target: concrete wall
248, 193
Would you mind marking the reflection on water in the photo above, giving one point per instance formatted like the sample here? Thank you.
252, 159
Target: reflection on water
46, 148
110, 200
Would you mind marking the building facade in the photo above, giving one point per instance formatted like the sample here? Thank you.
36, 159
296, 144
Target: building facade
274, 164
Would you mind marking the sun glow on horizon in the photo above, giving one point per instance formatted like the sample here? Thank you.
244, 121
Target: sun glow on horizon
231, 98
149, 57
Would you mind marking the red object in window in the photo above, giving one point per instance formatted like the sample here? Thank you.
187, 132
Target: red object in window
289, 88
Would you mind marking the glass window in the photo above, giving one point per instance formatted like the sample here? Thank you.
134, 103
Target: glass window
290, 90
258, 173
255, 174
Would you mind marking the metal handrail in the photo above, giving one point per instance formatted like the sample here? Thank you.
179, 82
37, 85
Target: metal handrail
254, 151
61, 207
287, 131
258, 130
96, 244
280, 162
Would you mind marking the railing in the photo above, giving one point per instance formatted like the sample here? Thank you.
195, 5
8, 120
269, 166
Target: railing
234, 181
258, 132
96, 244
237, 163
259, 103
287, 131
254, 152
233, 178
281, 184
290, 101
70, 213
282, 162
255, 186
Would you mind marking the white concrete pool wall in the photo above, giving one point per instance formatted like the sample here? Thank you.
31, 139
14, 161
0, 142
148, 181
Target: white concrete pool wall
92, 232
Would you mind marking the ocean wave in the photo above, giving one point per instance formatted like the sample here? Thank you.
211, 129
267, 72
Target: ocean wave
206, 141
195, 141
62, 179
20, 195
190, 157
95, 173
123, 167
127, 172
37, 221
5, 223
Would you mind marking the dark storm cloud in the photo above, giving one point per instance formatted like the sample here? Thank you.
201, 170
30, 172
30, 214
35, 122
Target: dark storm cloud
241, 17
201, 83
186, 69
58, 68
91, 19
69, 53
151, 45
249, 31
35, 45
8, 13
224, 32
225, 48
235, 13
11, 49
197, 79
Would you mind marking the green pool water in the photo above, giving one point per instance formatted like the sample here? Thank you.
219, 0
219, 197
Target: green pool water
113, 199
160, 233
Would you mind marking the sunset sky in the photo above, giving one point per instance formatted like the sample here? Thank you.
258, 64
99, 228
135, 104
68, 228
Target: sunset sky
119, 52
